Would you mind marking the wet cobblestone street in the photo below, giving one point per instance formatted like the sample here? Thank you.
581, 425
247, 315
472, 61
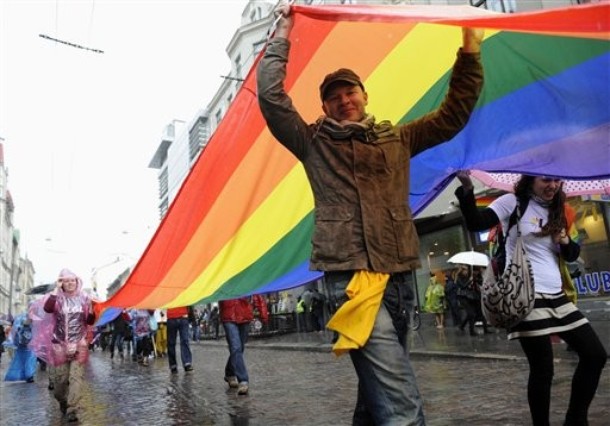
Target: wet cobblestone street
287, 387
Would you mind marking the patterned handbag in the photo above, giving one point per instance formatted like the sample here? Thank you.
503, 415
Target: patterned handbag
507, 299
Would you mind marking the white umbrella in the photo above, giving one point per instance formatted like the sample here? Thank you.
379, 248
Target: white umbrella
472, 258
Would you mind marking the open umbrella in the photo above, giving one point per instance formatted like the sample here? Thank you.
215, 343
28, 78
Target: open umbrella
572, 188
472, 258
41, 289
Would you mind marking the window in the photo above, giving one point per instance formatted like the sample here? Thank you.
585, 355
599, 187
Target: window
163, 183
163, 207
198, 136
218, 117
505, 6
258, 46
238, 66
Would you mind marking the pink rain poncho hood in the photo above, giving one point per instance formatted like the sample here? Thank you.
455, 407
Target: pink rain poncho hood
62, 335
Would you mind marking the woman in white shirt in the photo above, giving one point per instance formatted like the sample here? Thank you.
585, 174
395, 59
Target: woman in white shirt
543, 226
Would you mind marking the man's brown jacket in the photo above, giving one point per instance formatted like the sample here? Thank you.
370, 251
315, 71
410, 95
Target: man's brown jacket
360, 174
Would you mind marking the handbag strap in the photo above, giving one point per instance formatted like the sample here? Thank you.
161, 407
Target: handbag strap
518, 213
513, 219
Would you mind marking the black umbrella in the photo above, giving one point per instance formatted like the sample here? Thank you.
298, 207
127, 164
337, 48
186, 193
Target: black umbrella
41, 289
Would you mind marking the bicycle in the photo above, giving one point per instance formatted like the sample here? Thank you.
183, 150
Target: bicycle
415, 322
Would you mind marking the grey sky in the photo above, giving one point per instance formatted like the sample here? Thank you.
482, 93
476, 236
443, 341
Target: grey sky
80, 127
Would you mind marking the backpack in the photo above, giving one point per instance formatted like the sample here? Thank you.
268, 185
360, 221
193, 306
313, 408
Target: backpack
498, 252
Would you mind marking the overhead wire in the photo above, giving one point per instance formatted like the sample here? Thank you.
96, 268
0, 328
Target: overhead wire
68, 43
78, 46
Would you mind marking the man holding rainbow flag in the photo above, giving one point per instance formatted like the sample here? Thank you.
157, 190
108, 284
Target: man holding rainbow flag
364, 237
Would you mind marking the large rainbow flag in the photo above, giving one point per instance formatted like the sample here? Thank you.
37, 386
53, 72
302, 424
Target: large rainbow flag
242, 221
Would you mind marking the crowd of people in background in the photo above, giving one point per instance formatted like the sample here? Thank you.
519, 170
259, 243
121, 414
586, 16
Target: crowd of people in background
452, 296
141, 335
310, 311
457, 293
137, 335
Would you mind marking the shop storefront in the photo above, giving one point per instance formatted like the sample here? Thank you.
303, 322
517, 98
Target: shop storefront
593, 224
443, 236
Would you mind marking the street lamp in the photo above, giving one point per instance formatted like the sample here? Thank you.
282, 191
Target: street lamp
94, 271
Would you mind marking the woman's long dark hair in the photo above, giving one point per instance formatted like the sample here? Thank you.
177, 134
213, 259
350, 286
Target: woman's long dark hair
557, 218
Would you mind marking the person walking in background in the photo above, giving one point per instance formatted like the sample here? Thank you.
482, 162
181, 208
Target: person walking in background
544, 225
467, 298
196, 325
129, 341
236, 315
142, 334
24, 361
161, 335
287, 303
119, 330
451, 297
318, 302
205, 322
435, 301
104, 337
364, 236
2, 339
72, 316
306, 297
215, 322
178, 322
477, 283
300, 311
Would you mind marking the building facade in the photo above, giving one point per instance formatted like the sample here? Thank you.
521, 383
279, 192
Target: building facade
181, 142
16, 273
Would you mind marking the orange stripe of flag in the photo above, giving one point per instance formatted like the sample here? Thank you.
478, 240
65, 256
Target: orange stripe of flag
242, 190
171, 238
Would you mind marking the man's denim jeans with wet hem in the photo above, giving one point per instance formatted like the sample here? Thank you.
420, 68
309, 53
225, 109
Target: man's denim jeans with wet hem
387, 389
237, 336
177, 326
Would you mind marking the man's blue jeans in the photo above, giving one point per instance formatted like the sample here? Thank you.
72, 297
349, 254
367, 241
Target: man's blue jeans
117, 341
196, 332
181, 326
387, 389
237, 336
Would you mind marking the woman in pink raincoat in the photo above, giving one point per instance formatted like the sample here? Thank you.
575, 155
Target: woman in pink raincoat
72, 315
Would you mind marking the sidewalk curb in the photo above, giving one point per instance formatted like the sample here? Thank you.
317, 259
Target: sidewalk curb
415, 353
478, 355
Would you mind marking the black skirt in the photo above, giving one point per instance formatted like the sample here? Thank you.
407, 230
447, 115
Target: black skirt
552, 314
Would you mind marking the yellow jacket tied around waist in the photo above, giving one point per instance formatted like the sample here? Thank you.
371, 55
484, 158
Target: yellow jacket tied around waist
355, 319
